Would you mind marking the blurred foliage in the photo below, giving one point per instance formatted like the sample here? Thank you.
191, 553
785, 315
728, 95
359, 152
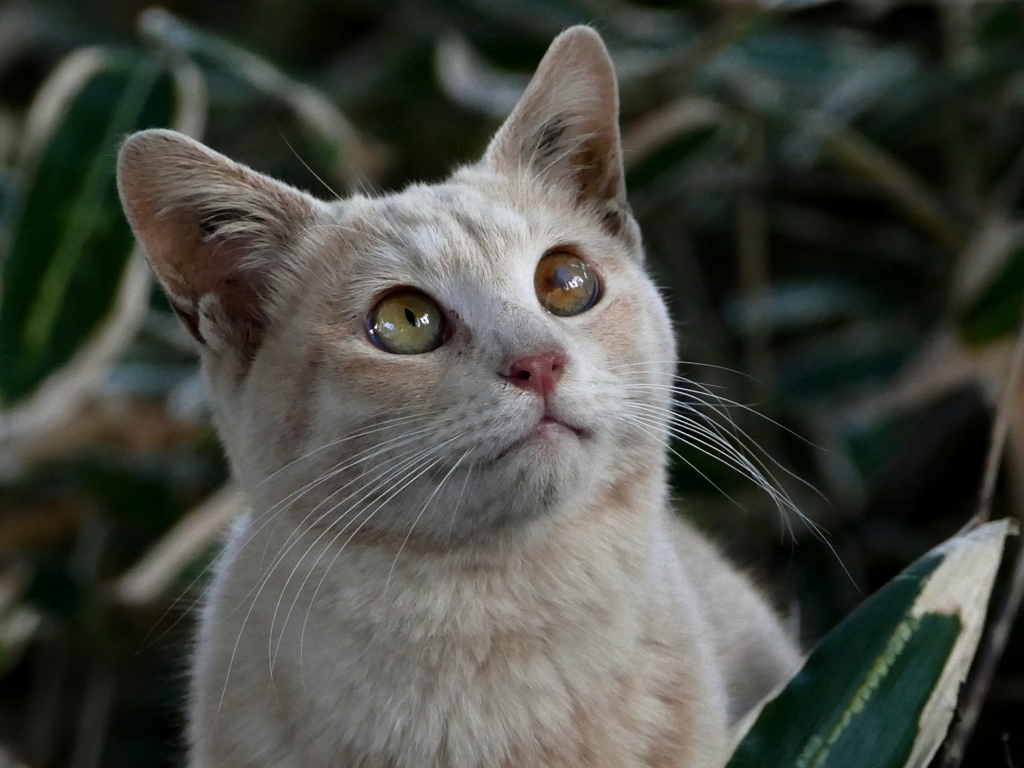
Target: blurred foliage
831, 196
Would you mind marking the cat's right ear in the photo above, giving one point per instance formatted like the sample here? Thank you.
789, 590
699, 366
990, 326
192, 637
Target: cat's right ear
215, 233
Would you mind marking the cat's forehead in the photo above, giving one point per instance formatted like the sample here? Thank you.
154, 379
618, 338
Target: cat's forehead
424, 225
438, 237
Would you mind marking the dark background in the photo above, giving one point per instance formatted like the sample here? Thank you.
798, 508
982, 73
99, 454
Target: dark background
830, 194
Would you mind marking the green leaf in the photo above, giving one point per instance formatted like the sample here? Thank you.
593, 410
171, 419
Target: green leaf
70, 243
880, 689
996, 310
844, 366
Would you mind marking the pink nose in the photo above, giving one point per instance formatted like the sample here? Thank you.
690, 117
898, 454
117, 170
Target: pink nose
537, 372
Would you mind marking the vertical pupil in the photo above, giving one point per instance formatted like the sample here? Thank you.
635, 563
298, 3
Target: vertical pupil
411, 317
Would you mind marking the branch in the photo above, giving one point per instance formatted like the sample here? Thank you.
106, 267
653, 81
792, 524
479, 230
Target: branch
865, 159
994, 643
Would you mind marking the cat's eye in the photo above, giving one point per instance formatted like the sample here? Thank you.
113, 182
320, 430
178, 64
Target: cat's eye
407, 322
565, 284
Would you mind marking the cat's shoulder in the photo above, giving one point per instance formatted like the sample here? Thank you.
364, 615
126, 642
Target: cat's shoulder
755, 648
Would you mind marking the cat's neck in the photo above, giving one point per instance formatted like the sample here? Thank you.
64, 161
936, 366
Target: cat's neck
611, 536
575, 571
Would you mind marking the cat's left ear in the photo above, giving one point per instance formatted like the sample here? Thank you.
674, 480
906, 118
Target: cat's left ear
565, 128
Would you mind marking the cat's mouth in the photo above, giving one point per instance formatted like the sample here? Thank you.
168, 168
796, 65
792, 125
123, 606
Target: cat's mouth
549, 422
548, 428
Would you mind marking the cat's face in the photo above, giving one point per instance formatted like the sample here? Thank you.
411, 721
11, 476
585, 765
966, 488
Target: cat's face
437, 363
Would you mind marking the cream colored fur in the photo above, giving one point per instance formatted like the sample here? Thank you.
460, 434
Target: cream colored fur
427, 578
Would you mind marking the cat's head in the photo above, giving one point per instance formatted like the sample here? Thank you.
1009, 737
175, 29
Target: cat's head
445, 360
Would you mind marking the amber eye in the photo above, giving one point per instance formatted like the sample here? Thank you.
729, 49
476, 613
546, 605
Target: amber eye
565, 284
406, 323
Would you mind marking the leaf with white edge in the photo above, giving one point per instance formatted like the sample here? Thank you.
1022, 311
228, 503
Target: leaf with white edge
879, 691
75, 291
70, 243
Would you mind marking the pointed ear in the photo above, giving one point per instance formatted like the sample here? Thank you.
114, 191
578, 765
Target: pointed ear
215, 232
565, 128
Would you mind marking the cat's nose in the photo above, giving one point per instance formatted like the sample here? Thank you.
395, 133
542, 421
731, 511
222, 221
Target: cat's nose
539, 373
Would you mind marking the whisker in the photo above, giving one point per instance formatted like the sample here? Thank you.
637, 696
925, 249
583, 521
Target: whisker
747, 442
316, 176
731, 458
399, 487
707, 427
713, 443
721, 403
708, 442
424, 509
375, 484
387, 445
632, 419
658, 417
458, 503
363, 432
292, 498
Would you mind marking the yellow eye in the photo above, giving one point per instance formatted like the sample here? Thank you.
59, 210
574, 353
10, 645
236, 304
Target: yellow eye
565, 284
407, 323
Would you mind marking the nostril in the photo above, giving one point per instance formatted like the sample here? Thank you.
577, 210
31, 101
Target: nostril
537, 372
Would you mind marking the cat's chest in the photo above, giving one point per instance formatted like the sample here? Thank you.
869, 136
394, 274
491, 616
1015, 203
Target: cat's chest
517, 697
411, 667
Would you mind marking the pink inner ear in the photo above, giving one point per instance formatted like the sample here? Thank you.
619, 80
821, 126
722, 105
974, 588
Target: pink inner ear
190, 266
214, 232
219, 270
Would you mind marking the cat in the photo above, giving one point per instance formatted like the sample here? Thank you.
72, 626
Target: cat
449, 409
